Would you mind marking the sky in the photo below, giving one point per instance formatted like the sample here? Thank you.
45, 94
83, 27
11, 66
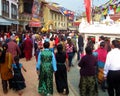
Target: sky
76, 5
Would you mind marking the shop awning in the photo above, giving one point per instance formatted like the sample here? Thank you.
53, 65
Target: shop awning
14, 22
4, 22
34, 24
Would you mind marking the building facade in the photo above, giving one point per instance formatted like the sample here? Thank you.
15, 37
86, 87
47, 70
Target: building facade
8, 15
54, 20
18, 15
30, 14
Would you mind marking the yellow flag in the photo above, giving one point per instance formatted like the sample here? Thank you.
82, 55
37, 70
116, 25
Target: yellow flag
110, 1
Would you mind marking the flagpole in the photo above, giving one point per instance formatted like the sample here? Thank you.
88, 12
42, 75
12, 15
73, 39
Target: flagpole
91, 12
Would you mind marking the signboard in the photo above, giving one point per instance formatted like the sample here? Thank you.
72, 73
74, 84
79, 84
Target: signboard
34, 24
35, 10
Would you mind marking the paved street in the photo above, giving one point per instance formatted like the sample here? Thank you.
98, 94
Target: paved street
32, 81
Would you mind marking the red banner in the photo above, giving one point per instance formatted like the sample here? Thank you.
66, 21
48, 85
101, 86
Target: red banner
88, 9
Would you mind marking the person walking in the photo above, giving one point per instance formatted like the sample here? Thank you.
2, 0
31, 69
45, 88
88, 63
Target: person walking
112, 69
88, 73
13, 48
28, 45
101, 56
80, 46
62, 68
69, 50
6, 68
18, 79
52, 44
45, 67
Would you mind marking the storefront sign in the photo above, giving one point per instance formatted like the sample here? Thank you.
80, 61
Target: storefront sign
34, 24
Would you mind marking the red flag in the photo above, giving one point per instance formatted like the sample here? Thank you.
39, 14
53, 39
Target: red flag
88, 9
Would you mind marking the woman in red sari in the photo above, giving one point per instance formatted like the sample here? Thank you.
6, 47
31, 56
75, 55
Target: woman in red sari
28, 48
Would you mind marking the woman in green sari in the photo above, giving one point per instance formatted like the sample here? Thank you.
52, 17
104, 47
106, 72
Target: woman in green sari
46, 66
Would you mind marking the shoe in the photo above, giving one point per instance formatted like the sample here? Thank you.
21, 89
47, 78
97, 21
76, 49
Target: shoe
64, 92
5, 91
49, 94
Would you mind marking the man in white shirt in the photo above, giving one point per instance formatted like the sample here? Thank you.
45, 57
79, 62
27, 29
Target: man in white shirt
112, 69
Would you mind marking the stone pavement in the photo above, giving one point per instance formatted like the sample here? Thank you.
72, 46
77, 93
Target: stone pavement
32, 81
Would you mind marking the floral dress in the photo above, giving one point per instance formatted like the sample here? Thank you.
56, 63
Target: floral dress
46, 73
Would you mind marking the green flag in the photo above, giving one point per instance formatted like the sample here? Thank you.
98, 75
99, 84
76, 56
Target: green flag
118, 9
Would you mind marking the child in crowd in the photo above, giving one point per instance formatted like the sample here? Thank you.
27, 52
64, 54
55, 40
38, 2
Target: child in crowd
18, 79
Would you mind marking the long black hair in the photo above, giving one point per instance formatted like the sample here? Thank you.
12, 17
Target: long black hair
59, 48
3, 50
16, 59
116, 44
1, 57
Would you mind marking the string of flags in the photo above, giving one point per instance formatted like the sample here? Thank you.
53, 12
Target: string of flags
67, 12
111, 7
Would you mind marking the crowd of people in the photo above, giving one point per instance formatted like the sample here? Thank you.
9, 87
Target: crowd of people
54, 53
100, 68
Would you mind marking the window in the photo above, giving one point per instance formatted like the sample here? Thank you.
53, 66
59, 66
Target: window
13, 11
58, 23
55, 24
5, 8
55, 17
28, 6
58, 17
62, 24
52, 16
61, 18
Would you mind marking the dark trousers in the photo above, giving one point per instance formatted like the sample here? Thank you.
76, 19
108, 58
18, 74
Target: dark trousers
70, 57
5, 84
79, 52
113, 80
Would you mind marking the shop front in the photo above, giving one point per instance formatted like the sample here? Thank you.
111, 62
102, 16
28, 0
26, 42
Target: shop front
4, 25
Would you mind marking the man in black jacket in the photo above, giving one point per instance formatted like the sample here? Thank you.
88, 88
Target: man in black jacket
80, 45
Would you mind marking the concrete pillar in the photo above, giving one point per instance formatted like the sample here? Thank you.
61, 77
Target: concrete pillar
0, 7
10, 9
85, 39
97, 38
